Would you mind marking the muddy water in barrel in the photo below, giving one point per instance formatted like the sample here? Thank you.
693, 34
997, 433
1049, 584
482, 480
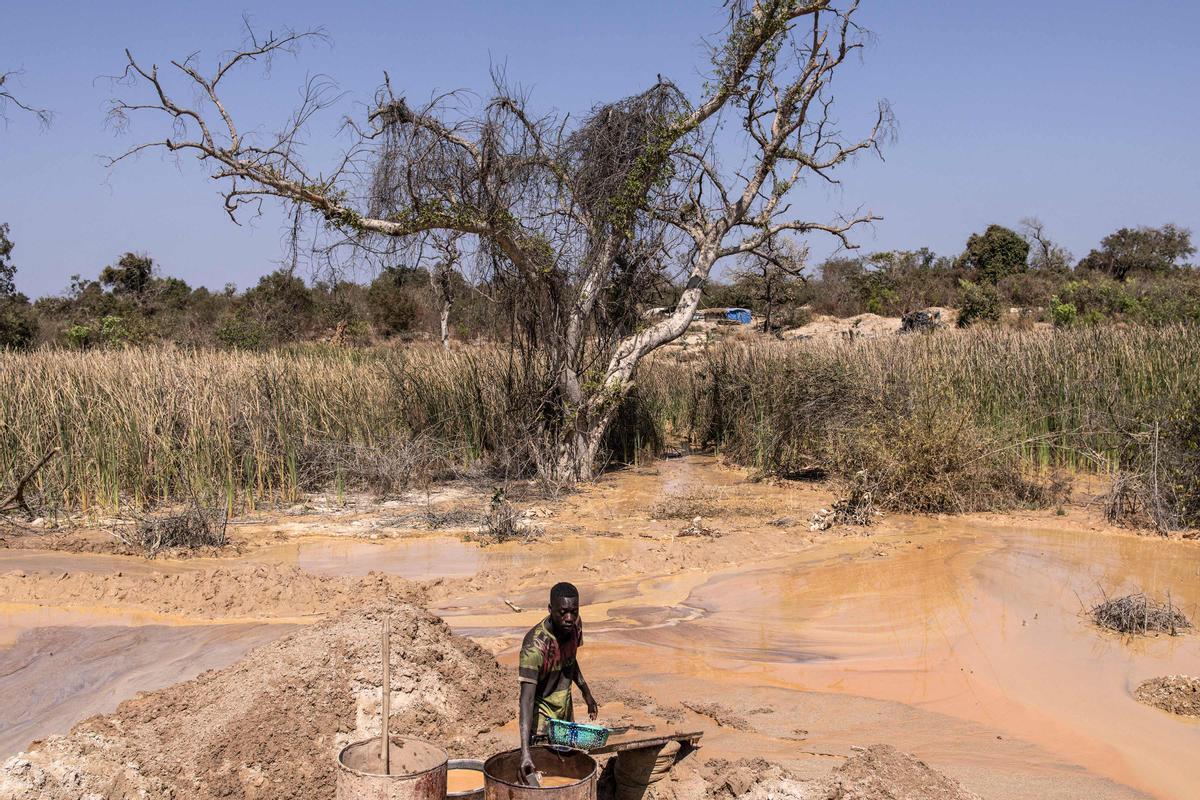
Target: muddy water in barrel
463, 780
555, 781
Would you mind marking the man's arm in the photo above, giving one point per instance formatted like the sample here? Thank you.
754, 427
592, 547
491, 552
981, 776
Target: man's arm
528, 692
592, 707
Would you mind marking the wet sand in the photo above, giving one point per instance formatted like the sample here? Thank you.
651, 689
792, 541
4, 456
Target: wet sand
52, 677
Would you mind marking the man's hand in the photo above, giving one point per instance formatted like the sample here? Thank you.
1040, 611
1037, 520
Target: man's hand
593, 707
527, 769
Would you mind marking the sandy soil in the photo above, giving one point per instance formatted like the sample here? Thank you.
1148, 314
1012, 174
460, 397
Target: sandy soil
252, 592
1178, 694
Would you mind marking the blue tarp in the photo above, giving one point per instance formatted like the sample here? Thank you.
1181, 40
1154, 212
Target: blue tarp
740, 315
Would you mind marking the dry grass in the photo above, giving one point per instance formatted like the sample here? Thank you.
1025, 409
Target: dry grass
502, 523
958, 421
143, 427
193, 527
955, 421
1138, 614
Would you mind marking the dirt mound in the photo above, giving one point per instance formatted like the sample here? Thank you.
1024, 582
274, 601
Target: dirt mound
259, 591
1178, 694
269, 726
827, 328
882, 772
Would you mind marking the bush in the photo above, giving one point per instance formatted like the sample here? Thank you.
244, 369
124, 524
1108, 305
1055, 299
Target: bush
1063, 315
887, 432
1158, 482
977, 303
920, 451
1028, 289
282, 307
1136, 613
79, 337
191, 528
17, 323
391, 302
1169, 300
995, 254
237, 331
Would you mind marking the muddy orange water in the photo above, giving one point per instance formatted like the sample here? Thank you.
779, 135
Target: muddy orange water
464, 780
52, 677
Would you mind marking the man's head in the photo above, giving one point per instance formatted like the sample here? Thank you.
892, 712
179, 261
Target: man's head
564, 608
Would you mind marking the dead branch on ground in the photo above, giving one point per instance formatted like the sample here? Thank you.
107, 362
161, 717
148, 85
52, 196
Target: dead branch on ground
16, 501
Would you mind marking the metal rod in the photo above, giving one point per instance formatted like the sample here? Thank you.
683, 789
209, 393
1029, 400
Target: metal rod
387, 695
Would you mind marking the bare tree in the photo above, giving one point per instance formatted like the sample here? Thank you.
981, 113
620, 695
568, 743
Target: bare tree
773, 270
44, 117
1044, 253
441, 280
567, 215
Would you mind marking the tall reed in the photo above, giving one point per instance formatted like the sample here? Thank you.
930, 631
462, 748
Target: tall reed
147, 426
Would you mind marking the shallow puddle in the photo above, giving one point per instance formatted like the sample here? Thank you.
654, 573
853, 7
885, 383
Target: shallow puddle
52, 677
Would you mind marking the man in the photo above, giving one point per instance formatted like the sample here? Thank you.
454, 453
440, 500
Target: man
548, 668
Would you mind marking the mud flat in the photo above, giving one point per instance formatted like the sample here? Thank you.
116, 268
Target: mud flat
52, 677
973, 646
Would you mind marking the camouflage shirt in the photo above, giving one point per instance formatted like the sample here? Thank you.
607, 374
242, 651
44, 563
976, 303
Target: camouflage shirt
549, 664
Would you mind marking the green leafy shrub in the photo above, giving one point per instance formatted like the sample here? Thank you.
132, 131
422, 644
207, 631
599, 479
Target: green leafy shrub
79, 337
977, 303
1063, 315
237, 331
17, 323
995, 254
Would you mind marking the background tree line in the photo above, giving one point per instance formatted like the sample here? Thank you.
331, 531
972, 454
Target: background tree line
1135, 274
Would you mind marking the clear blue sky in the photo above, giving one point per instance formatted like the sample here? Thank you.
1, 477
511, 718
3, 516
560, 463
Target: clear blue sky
1082, 112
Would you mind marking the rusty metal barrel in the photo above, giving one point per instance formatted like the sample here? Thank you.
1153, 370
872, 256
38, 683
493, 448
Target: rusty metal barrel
465, 781
568, 775
417, 771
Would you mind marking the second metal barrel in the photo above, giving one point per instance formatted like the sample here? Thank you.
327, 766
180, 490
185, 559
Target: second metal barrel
577, 772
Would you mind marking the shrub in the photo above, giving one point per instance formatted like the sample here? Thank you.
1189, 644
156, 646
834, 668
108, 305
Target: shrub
1063, 315
79, 336
391, 303
1136, 613
995, 254
113, 330
977, 303
17, 323
919, 451
884, 430
191, 528
236, 331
